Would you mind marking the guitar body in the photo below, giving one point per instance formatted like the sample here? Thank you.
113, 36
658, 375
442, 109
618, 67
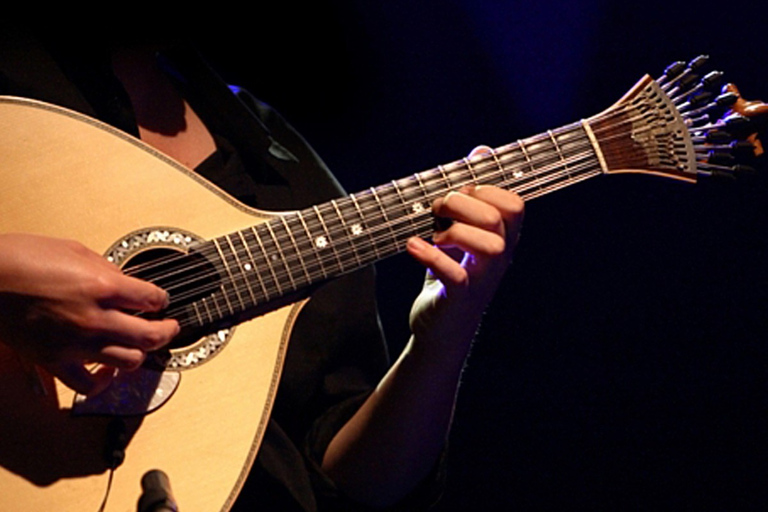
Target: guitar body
68, 176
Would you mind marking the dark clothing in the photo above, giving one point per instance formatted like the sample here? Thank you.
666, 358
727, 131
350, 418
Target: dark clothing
337, 352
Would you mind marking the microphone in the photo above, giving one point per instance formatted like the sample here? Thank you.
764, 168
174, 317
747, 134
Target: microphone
156, 495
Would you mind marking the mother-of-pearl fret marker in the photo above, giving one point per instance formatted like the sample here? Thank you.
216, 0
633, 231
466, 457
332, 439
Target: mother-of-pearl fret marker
247, 267
356, 229
417, 207
321, 242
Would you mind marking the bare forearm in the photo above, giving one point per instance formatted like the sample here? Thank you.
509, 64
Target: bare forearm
397, 436
394, 440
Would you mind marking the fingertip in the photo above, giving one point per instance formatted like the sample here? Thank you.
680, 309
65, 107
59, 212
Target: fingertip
416, 247
159, 300
480, 150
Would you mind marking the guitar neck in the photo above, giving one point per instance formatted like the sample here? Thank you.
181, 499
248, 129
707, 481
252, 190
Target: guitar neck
643, 132
293, 251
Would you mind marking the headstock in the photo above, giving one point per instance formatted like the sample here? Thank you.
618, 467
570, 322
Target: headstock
724, 127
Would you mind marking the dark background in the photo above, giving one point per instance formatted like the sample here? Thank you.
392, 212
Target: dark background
623, 364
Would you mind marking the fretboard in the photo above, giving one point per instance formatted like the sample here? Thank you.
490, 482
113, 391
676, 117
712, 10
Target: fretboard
293, 251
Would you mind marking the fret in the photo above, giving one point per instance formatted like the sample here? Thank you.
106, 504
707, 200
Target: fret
533, 176
559, 151
581, 164
268, 259
300, 258
274, 241
470, 168
408, 213
361, 227
197, 314
316, 243
502, 169
256, 269
417, 208
386, 218
519, 173
331, 240
576, 141
544, 159
444, 175
229, 273
347, 232
460, 174
211, 316
244, 269
422, 187
235, 271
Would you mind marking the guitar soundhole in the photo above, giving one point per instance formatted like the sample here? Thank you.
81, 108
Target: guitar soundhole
167, 257
188, 278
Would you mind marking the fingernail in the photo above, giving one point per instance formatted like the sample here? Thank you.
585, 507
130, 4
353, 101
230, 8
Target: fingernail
417, 244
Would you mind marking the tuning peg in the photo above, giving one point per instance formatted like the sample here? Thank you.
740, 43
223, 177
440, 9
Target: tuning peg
727, 99
684, 82
729, 173
735, 122
711, 79
699, 98
743, 149
714, 108
705, 86
685, 79
717, 137
716, 157
672, 71
698, 62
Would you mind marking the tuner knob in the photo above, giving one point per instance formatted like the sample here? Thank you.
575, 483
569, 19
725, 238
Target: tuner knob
726, 99
687, 80
712, 79
698, 62
700, 98
735, 122
721, 158
718, 137
674, 69
743, 149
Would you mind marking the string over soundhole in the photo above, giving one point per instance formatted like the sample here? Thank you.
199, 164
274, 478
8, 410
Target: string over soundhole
173, 259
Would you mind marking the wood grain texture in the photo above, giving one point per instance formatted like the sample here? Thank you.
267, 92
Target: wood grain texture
68, 176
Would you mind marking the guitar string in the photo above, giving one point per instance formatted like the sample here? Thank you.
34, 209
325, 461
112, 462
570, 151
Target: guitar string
237, 287
386, 226
376, 237
321, 261
619, 111
384, 236
341, 229
501, 153
383, 228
